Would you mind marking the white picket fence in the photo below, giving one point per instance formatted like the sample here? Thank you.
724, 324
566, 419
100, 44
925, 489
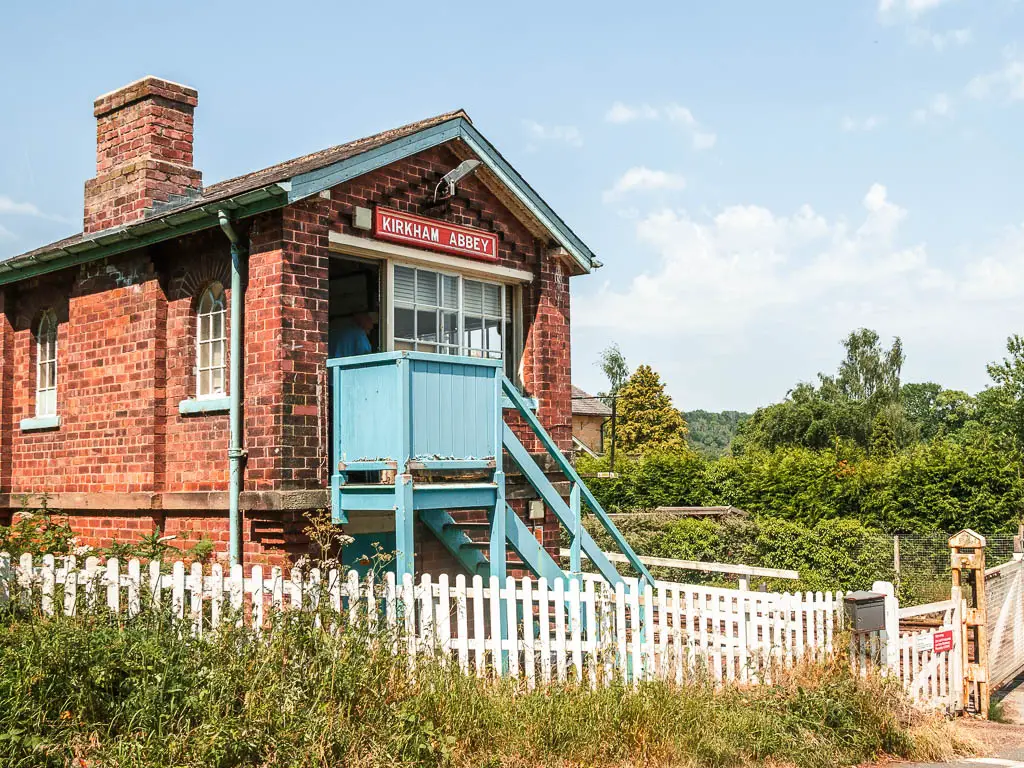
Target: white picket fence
571, 629
578, 629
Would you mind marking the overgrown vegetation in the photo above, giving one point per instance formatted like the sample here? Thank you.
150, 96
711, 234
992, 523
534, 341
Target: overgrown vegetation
94, 691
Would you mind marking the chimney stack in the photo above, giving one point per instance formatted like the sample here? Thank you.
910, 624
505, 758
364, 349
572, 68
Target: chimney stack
144, 134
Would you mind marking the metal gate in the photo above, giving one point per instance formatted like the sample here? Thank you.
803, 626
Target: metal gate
1004, 594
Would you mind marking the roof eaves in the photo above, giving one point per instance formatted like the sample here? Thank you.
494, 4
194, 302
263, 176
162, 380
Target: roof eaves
146, 232
316, 181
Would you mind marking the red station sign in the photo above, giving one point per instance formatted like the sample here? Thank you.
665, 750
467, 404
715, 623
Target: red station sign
419, 231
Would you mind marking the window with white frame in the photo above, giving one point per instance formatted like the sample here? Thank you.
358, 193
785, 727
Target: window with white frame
46, 365
455, 315
211, 342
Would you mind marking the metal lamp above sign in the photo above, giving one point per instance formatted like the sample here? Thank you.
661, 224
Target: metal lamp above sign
409, 229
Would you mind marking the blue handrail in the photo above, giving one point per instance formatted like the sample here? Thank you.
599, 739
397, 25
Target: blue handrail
513, 394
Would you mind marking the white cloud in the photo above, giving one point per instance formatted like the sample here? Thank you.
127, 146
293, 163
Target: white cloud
12, 207
854, 124
564, 134
726, 277
700, 137
889, 10
939, 106
622, 113
1006, 82
940, 41
643, 179
5, 233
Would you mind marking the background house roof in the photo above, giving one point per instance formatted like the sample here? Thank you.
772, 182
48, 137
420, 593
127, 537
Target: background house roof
585, 404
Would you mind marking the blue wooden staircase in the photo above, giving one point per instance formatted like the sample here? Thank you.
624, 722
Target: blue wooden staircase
424, 436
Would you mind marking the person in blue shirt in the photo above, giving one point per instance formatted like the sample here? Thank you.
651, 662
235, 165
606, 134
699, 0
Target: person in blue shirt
348, 336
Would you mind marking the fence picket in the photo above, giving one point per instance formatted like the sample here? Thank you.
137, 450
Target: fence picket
256, 579
195, 586
479, 638
443, 618
559, 644
575, 630
216, 595
461, 623
529, 645
544, 628
510, 623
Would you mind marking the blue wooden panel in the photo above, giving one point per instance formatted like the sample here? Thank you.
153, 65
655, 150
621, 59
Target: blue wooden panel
453, 407
367, 426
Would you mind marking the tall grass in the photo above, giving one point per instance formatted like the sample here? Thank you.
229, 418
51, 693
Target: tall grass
99, 691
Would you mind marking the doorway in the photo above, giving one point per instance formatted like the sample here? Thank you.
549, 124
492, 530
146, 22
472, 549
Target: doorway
354, 290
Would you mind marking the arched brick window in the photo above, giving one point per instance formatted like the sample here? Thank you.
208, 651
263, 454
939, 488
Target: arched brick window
211, 346
46, 365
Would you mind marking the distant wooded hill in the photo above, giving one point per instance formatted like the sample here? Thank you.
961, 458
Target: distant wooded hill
711, 433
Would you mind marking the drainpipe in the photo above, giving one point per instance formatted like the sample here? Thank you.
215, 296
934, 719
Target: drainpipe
236, 453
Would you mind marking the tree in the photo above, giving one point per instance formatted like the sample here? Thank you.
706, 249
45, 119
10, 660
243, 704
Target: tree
1002, 405
613, 365
842, 407
869, 373
646, 417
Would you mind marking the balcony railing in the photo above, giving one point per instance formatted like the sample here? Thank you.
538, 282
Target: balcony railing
397, 414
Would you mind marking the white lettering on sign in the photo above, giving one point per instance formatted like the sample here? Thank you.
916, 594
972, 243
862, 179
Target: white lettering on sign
436, 235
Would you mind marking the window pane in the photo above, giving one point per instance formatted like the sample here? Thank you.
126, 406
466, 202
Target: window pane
509, 299
450, 328
450, 291
204, 383
218, 354
217, 331
407, 346
426, 325
204, 355
218, 380
493, 333
405, 282
427, 288
473, 297
404, 328
474, 337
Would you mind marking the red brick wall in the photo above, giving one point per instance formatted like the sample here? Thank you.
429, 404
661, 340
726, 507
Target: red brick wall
126, 356
144, 137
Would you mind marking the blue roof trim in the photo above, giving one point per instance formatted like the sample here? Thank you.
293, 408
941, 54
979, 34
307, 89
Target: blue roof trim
311, 183
527, 196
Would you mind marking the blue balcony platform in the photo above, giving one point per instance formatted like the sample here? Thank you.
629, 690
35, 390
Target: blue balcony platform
422, 435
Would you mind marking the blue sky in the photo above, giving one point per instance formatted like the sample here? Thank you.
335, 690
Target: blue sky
758, 178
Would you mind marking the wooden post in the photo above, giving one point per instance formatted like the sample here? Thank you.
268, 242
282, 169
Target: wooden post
896, 562
967, 562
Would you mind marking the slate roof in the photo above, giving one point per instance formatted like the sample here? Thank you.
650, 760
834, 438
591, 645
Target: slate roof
584, 404
257, 179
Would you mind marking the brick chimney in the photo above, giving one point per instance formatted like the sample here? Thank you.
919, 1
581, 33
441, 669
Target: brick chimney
143, 152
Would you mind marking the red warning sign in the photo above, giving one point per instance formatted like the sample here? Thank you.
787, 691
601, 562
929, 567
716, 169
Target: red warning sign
942, 641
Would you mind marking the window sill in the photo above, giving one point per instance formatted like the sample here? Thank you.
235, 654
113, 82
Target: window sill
197, 406
40, 422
